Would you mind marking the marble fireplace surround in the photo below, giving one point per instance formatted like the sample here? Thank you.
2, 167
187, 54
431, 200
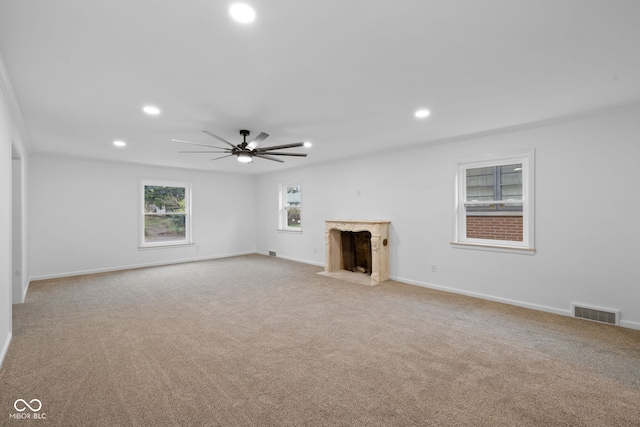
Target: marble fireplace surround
379, 250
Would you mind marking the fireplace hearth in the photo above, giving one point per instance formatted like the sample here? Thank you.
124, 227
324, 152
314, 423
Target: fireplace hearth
358, 250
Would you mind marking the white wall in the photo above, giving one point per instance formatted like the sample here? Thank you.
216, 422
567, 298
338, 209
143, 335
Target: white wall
83, 216
10, 139
18, 287
5, 226
586, 209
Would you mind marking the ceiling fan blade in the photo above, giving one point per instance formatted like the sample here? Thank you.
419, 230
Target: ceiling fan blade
218, 138
257, 140
262, 156
280, 147
218, 158
284, 154
195, 143
215, 152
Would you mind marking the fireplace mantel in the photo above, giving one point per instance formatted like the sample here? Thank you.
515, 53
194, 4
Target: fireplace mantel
379, 230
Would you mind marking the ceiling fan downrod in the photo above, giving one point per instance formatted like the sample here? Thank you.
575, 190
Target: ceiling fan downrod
245, 133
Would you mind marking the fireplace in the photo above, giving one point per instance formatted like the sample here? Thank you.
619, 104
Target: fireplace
358, 250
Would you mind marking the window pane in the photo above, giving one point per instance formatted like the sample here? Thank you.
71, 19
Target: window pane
494, 183
494, 221
511, 182
480, 184
163, 228
494, 227
292, 197
161, 200
293, 217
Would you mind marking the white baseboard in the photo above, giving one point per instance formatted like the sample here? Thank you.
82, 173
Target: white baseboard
554, 310
5, 348
303, 261
623, 323
630, 324
134, 266
455, 291
486, 297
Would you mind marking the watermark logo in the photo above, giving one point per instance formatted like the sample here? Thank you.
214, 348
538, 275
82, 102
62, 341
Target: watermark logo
34, 406
21, 408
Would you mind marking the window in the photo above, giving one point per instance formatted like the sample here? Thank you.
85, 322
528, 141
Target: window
494, 203
291, 207
165, 213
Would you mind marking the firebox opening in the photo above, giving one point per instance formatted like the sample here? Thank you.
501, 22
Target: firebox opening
356, 251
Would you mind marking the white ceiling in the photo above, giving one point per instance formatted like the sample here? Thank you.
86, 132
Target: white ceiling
345, 75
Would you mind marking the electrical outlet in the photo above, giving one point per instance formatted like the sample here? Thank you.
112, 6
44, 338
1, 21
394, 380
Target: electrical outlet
433, 268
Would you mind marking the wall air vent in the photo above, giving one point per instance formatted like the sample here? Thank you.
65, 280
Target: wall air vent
272, 253
602, 315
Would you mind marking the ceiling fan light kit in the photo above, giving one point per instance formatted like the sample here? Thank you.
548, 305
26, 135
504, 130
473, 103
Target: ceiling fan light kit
246, 151
245, 158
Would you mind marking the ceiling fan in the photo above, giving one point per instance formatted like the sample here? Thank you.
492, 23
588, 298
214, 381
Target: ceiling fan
246, 151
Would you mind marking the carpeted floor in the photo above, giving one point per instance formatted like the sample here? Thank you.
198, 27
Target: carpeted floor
260, 341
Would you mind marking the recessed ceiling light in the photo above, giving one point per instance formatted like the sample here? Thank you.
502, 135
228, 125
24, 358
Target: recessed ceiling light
119, 143
242, 13
421, 114
308, 144
151, 110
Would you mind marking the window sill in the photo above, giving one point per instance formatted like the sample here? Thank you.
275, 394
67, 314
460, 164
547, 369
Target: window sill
495, 248
282, 230
165, 246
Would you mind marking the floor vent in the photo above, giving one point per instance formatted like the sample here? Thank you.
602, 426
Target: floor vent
612, 317
272, 253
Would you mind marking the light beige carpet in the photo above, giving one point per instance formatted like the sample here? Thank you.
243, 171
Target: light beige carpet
259, 341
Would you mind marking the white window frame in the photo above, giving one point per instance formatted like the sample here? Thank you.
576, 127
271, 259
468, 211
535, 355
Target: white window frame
283, 212
188, 213
526, 246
